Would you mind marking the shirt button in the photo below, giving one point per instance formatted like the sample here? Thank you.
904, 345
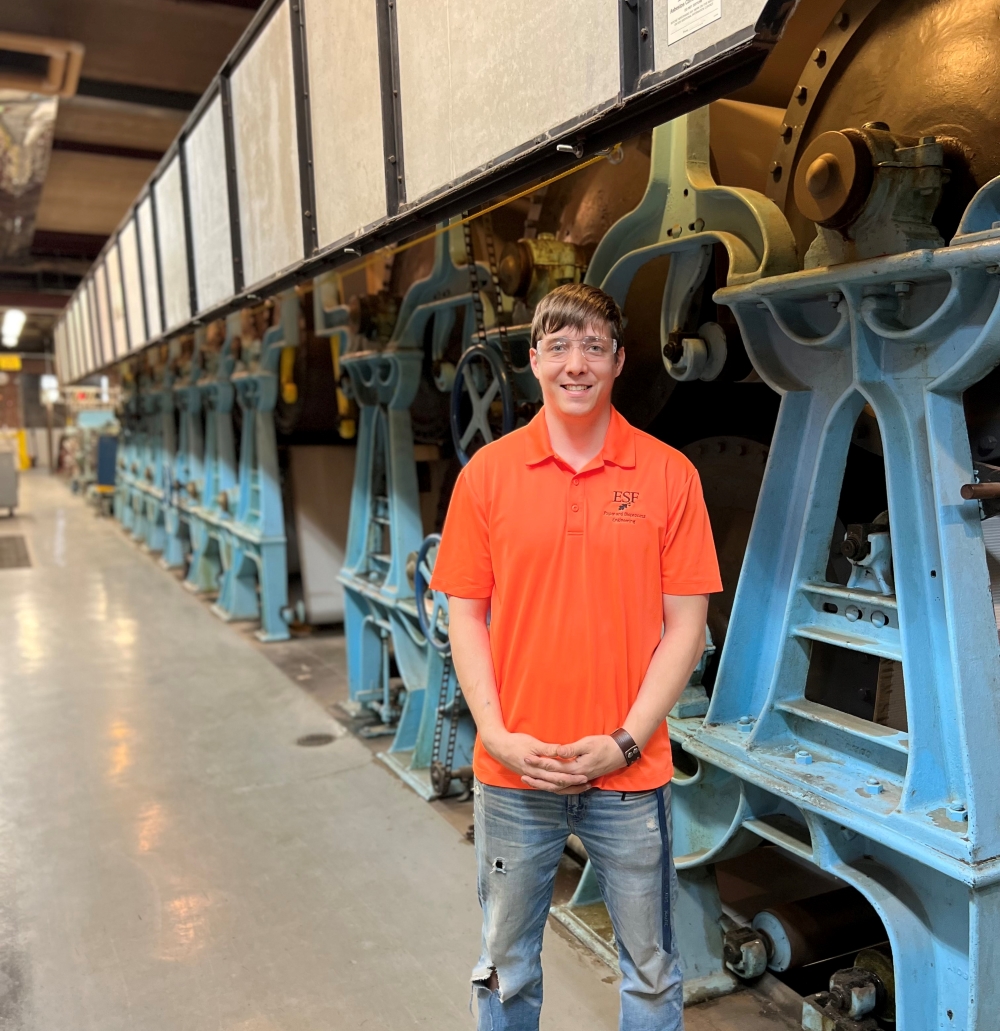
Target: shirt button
576, 483
576, 508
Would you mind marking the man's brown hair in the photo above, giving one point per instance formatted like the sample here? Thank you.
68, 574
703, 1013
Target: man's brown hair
576, 306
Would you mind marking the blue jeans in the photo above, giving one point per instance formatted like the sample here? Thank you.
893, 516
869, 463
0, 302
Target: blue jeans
520, 837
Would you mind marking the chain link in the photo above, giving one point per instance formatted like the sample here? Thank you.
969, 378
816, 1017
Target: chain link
441, 769
491, 257
477, 300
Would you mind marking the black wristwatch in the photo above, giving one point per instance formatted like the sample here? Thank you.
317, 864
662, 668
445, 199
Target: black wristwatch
629, 748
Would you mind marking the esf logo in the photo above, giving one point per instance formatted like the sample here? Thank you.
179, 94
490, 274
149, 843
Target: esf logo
625, 499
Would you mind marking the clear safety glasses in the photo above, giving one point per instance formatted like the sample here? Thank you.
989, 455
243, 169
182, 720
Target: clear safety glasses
594, 349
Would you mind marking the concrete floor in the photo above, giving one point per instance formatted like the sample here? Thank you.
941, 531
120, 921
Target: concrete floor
170, 858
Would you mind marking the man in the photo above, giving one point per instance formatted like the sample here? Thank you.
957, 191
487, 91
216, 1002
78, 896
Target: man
578, 557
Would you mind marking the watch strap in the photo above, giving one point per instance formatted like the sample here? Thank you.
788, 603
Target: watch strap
628, 746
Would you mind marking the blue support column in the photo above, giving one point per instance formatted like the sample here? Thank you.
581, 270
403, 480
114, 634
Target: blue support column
385, 523
255, 575
126, 461
911, 818
209, 494
186, 467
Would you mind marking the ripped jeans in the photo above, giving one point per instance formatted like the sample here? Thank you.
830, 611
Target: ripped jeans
520, 837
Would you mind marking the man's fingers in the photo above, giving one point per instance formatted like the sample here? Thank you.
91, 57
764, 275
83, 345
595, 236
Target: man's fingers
577, 789
540, 763
560, 779
540, 785
544, 748
575, 748
556, 789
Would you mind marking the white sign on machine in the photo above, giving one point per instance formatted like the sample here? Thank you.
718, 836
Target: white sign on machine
687, 16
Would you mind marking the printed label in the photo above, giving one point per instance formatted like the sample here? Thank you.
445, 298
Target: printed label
687, 16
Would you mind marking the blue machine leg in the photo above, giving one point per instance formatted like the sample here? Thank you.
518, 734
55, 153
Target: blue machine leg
386, 527
907, 813
213, 479
256, 529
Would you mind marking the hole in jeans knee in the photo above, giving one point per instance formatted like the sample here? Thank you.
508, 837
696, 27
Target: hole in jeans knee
499, 865
491, 983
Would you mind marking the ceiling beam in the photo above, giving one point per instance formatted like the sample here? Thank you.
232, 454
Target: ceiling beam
52, 243
108, 149
130, 93
26, 300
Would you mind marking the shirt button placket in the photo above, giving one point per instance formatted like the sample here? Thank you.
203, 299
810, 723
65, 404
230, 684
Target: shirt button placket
574, 521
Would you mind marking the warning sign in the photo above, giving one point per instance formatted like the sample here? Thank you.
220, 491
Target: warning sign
687, 16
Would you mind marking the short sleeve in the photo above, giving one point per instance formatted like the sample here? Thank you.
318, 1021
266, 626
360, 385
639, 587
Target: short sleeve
688, 562
464, 566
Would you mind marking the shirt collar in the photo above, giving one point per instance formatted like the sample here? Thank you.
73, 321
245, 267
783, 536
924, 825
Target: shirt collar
619, 444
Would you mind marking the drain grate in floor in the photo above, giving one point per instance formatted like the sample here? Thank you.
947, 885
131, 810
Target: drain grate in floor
13, 552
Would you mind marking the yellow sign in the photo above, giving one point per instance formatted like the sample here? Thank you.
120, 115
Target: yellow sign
10, 363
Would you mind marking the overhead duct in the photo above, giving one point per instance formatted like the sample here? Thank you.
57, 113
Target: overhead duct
34, 73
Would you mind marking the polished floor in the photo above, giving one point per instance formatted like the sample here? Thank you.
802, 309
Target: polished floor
170, 858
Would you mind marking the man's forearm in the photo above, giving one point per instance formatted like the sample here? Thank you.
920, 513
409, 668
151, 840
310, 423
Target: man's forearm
670, 668
473, 659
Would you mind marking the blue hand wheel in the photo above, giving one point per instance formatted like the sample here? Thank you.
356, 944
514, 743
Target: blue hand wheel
432, 606
480, 381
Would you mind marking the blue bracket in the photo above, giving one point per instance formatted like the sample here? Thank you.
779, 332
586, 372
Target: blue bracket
910, 818
331, 320
154, 455
385, 526
127, 458
684, 214
209, 493
188, 458
255, 565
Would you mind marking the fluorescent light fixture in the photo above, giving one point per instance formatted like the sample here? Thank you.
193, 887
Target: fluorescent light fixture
49, 386
13, 323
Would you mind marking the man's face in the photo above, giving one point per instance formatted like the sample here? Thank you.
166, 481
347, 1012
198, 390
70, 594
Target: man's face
576, 385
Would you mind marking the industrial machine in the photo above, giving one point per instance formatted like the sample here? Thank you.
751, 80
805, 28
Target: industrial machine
186, 467
254, 580
384, 622
209, 491
808, 270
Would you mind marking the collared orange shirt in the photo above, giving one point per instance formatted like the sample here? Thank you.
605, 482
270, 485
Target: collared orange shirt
575, 565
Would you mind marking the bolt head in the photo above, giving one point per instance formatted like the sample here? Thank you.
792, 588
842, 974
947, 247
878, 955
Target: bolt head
803, 758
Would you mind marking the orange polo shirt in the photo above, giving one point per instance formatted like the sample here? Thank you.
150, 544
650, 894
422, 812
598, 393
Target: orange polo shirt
575, 565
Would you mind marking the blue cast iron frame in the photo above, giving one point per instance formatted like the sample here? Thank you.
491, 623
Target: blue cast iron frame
254, 581
211, 493
386, 528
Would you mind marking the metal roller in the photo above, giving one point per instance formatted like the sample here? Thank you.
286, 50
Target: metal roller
794, 934
818, 928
